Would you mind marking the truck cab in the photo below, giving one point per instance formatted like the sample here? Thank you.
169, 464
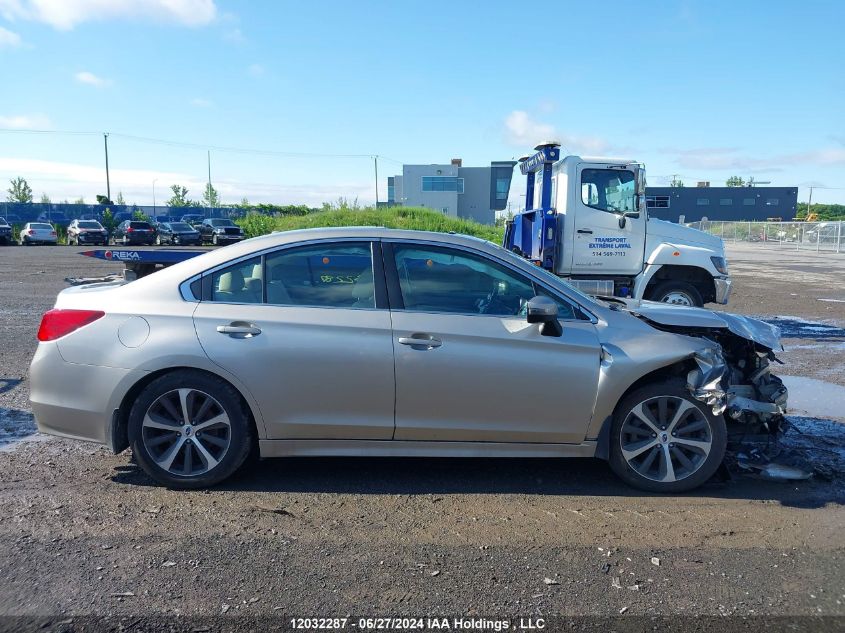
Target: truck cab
586, 220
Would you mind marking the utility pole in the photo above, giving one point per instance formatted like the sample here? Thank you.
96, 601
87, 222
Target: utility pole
108, 184
809, 204
209, 181
375, 159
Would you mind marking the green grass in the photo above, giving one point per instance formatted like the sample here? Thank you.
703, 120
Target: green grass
395, 218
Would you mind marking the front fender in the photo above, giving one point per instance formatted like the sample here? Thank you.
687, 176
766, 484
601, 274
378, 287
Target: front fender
667, 254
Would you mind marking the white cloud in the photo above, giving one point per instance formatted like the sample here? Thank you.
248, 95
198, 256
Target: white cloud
85, 77
62, 180
521, 130
255, 70
235, 36
9, 39
66, 14
25, 122
201, 103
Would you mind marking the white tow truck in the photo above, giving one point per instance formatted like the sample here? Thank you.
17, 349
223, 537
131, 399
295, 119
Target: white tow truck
587, 220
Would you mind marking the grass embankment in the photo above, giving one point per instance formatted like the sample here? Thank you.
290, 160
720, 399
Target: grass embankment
395, 218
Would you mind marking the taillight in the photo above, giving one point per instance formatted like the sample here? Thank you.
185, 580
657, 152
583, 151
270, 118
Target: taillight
52, 233
30, 232
129, 230
58, 323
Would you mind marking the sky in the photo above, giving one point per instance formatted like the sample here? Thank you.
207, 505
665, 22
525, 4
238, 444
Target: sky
293, 99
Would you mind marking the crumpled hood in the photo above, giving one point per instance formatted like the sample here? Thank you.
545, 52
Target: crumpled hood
671, 232
686, 317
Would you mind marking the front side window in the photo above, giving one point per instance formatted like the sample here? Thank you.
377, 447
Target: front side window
437, 279
239, 283
337, 275
612, 190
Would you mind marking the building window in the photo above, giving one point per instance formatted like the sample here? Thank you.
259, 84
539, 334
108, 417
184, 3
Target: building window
703, 202
502, 187
391, 189
726, 202
442, 183
772, 202
749, 202
657, 202
445, 210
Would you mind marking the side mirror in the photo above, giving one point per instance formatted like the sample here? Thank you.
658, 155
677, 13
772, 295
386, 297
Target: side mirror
543, 310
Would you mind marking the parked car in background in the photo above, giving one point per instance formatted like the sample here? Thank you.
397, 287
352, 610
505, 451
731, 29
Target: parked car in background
133, 232
194, 219
5, 232
56, 218
220, 231
178, 234
82, 232
374, 342
38, 233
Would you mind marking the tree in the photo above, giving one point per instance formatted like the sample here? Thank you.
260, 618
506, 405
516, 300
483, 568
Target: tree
210, 197
104, 200
120, 199
734, 181
676, 182
108, 220
20, 191
45, 199
139, 215
79, 200
179, 197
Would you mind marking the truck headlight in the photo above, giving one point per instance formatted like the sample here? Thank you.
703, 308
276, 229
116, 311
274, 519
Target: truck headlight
720, 264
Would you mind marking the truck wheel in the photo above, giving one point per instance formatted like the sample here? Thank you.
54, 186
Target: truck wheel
188, 430
677, 293
664, 440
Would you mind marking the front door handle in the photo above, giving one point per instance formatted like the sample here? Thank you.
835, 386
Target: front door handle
239, 329
585, 231
420, 341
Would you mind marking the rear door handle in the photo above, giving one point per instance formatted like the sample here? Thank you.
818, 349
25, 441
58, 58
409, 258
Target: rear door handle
239, 329
585, 231
426, 342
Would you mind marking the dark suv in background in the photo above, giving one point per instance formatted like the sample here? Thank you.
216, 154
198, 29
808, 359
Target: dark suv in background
220, 231
177, 233
133, 232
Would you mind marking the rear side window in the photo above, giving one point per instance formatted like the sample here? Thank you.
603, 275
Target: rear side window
338, 275
239, 283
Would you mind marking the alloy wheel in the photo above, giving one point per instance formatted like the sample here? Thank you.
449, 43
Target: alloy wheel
666, 439
186, 432
679, 298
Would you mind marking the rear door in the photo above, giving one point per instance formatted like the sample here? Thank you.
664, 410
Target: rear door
599, 246
307, 330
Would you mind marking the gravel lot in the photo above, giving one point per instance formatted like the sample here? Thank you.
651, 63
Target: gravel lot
84, 532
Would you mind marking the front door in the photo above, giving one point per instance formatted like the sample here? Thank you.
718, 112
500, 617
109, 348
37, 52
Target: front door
469, 367
300, 328
599, 245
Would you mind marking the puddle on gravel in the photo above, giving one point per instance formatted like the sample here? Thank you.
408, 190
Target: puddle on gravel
813, 398
16, 426
796, 327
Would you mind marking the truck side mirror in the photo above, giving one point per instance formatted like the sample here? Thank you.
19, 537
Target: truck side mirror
543, 310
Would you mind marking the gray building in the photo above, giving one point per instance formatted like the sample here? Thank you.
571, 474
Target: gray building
721, 203
472, 193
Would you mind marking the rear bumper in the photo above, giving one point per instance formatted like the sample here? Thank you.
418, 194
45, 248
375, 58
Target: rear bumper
76, 401
723, 289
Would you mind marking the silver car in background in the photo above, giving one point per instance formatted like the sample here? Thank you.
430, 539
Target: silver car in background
377, 342
38, 233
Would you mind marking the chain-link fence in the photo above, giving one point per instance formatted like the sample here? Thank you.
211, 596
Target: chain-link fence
826, 237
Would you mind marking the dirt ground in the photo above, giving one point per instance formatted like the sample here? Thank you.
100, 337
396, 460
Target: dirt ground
84, 532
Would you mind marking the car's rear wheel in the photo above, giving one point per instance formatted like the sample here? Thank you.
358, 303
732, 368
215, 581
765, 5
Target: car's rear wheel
189, 429
664, 440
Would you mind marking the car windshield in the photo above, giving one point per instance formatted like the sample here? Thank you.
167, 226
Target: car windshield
40, 225
89, 224
221, 222
139, 225
180, 226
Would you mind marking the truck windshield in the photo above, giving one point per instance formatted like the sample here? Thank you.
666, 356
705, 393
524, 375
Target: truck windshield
612, 190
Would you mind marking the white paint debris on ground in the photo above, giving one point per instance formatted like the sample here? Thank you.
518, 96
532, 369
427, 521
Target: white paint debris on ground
17, 426
813, 398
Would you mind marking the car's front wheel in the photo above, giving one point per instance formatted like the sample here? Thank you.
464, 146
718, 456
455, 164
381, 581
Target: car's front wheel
189, 429
664, 440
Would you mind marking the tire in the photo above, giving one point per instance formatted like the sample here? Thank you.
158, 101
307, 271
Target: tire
677, 293
639, 447
232, 443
